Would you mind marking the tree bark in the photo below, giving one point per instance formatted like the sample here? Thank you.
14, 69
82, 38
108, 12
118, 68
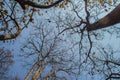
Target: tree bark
112, 18
36, 5
31, 71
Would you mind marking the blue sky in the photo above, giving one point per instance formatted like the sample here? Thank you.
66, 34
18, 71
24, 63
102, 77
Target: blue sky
15, 45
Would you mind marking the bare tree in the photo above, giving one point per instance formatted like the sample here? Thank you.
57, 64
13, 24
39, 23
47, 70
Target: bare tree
12, 25
49, 55
13, 22
6, 60
92, 58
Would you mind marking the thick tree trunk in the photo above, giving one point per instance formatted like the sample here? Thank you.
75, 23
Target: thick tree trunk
112, 18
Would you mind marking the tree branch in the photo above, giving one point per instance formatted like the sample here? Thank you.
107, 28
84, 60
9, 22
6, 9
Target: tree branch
33, 4
112, 18
14, 35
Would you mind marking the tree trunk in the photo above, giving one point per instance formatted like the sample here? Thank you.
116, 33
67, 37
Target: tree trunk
112, 18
